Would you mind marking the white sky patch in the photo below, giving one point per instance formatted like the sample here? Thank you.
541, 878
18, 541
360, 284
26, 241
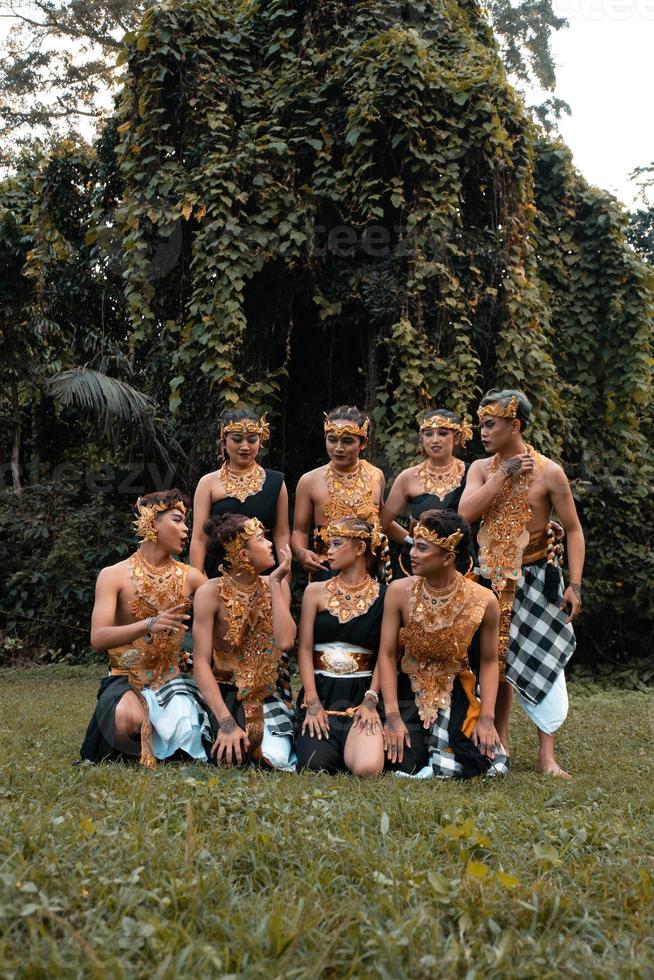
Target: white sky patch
605, 72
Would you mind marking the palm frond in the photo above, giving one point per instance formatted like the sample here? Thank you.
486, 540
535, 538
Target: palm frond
101, 395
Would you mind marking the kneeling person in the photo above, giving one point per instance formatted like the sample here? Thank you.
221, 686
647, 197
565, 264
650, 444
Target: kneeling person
145, 707
435, 617
242, 630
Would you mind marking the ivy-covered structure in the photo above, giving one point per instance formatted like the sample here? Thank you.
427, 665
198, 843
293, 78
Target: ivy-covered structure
305, 203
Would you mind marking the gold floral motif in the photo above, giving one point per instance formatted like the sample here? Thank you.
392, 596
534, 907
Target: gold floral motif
349, 601
253, 661
242, 484
150, 663
437, 637
145, 523
503, 537
352, 493
441, 422
441, 480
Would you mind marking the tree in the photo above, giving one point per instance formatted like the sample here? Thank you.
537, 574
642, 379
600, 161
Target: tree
59, 68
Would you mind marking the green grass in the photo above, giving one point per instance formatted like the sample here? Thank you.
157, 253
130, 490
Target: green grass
114, 871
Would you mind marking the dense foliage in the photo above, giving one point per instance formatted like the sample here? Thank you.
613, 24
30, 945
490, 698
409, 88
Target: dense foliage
305, 203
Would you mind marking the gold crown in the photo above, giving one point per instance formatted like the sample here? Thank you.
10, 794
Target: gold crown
257, 427
248, 530
440, 422
345, 427
449, 543
495, 410
338, 530
144, 525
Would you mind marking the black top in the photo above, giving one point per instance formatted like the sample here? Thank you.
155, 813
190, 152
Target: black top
429, 501
262, 505
363, 631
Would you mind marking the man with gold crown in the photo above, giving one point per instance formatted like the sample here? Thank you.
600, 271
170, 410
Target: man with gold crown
346, 486
515, 492
146, 707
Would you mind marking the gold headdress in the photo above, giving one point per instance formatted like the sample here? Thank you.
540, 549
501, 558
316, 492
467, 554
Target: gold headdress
144, 525
449, 543
233, 547
257, 427
440, 422
346, 427
341, 530
495, 410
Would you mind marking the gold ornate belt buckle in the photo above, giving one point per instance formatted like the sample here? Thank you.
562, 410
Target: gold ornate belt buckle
339, 661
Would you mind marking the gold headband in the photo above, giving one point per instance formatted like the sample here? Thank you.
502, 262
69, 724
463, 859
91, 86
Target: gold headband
440, 422
248, 530
338, 427
449, 543
257, 427
495, 410
336, 530
144, 525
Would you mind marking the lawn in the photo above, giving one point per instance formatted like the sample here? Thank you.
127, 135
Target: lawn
187, 872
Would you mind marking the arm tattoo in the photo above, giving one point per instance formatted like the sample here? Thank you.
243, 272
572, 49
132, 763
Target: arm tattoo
226, 726
510, 467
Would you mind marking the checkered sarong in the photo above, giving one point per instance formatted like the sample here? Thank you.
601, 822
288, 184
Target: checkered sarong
540, 640
444, 762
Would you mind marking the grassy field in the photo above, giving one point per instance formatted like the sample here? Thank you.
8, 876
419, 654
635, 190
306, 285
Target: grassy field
118, 872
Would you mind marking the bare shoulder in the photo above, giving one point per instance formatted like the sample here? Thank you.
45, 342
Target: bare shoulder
554, 475
398, 589
313, 591
480, 466
112, 575
196, 579
309, 479
206, 595
206, 482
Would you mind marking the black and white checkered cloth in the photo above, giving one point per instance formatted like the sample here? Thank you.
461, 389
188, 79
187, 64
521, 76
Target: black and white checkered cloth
444, 762
278, 715
540, 641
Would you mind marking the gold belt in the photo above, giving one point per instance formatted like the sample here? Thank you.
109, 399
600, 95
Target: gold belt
342, 661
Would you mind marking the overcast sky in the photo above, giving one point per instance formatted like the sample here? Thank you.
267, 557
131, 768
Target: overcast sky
605, 72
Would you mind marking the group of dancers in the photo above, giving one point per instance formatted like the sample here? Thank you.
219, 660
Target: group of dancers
409, 666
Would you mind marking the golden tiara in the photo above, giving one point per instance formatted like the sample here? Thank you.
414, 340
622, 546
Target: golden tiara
449, 543
144, 525
249, 529
257, 427
345, 427
495, 410
440, 422
337, 530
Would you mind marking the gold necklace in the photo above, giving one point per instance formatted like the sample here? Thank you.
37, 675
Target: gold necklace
436, 608
348, 601
160, 584
242, 484
441, 480
351, 494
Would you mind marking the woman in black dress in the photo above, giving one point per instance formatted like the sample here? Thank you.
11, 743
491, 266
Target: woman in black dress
240, 486
339, 728
435, 484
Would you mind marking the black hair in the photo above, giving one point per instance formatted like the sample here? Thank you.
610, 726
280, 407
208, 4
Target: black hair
220, 530
355, 524
446, 522
349, 412
162, 497
504, 396
444, 412
238, 415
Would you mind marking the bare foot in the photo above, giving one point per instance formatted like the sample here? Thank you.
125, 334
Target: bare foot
552, 768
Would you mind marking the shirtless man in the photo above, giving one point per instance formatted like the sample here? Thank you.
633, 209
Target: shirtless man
145, 707
514, 493
346, 486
